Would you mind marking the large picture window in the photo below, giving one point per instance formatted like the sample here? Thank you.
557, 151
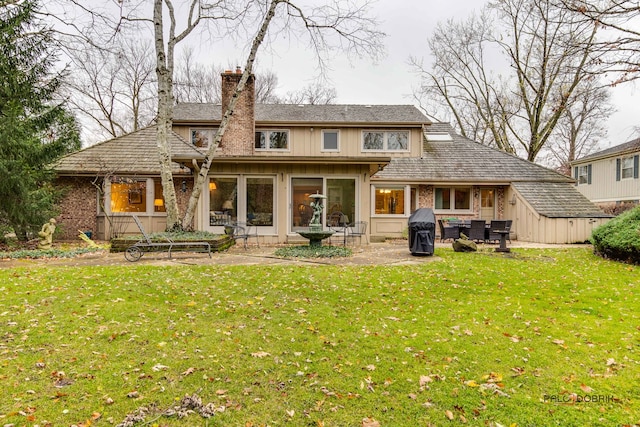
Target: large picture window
389, 200
260, 201
128, 195
385, 141
453, 198
272, 140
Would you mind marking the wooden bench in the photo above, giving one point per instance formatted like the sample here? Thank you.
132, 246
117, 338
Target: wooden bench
134, 252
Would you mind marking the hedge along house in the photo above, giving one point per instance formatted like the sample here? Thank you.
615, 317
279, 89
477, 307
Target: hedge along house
374, 163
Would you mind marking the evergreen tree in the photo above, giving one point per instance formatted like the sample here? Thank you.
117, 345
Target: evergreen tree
35, 127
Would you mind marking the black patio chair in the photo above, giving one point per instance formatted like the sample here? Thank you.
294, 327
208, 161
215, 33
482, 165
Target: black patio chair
448, 232
476, 230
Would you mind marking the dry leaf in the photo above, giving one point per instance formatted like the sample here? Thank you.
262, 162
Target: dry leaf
586, 388
370, 422
559, 342
611, 361
291, 413
449, 414
260, 354
188, 372
425, 379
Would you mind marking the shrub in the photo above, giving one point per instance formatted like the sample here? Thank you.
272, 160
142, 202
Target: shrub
313, 252
619, 238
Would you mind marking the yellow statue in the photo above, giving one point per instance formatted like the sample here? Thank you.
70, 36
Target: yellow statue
46, 234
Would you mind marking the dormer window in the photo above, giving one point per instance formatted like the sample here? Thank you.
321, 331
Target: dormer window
272, 140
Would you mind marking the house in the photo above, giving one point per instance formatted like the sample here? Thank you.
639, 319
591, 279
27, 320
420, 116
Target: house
375, 163
611, 176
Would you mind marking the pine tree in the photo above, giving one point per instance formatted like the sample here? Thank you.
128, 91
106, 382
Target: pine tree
35, 127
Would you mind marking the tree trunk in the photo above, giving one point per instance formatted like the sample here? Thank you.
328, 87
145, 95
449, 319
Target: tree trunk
164, 120
206, 165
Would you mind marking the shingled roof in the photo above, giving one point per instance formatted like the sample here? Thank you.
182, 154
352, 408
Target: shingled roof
627, 147
134, 153
449, 157
308, 114
558, 200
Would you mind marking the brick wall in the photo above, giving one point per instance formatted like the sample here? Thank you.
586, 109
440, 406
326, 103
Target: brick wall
239, 137
78, 207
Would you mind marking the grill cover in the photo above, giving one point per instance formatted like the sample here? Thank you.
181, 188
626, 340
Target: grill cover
422, 232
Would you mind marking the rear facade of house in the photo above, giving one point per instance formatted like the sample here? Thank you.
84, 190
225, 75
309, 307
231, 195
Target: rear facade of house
374, 163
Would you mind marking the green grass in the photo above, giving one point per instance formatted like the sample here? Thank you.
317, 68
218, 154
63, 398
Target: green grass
477, 337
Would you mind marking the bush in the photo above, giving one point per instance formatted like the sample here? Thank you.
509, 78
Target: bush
313, 252
619, 238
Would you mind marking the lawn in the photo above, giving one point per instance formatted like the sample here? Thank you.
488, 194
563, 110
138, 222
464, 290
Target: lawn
541, 337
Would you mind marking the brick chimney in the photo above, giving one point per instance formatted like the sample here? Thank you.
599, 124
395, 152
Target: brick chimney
239, 137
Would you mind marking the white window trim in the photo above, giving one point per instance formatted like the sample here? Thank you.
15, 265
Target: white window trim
622, 168
583, 173
385, 140
329, 150
274, 149
453, 210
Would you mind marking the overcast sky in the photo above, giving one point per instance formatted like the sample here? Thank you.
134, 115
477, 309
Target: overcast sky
408, 24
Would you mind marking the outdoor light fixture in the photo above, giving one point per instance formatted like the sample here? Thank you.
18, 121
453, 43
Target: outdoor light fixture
184, 185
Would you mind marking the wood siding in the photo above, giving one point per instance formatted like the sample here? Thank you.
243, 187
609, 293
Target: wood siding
306, 141
604, 188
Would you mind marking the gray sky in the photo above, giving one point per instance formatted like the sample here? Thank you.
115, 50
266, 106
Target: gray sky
408, 24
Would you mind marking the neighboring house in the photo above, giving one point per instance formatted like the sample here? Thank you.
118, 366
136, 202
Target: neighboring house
610, 176
375, 163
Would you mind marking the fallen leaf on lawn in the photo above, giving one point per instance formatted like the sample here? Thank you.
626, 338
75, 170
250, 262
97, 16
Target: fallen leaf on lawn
370, 367
611, 361
517, 371
370, 422
108, 401
159, 367
133, 394
586, 388
448, 414
260, 354
221, 392
471, 383
425, 379
559, 342
188, 372
413, 396
291, 413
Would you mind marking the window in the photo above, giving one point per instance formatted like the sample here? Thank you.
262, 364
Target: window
223, 199
260, 201
201, 138
330, 140
385, 141
389, 200
158, 197
128, 195
453, 199
627, 167
272, 140
584, 174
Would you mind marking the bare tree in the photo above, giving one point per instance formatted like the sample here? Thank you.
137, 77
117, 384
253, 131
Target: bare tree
114, 89
620, 45
312, 94
580, 129
460, 86
549, 52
